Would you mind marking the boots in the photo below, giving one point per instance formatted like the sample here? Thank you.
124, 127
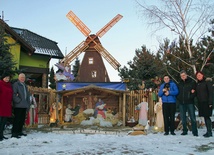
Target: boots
1, 136
1, 128
3, 121
209, 128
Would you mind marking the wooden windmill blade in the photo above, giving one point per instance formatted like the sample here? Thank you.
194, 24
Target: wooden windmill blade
78, 23
110, 59
109, 25
74, 53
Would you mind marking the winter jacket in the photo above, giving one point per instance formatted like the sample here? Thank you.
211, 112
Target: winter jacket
19, 100
185, 96
6, 95
173, 92
204, 93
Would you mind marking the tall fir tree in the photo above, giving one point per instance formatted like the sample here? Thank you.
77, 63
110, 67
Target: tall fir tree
76, 68
175, 57
7, 64
205, 52
144, 67
52, 80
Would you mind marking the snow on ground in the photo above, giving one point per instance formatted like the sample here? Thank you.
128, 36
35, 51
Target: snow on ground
68, 142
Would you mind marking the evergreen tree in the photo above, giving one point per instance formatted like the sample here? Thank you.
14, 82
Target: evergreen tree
144, 67
76, 68
52, 81
205, 53
171, 58
175, 56
188, 19
7, 64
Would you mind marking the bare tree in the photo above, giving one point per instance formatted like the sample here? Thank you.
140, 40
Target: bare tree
188, 19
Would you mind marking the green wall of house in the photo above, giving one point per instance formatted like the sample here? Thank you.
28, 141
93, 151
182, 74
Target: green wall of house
15, 50
24, 59
34, 60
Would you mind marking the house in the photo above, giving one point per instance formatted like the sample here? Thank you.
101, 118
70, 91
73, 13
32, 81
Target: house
32, 53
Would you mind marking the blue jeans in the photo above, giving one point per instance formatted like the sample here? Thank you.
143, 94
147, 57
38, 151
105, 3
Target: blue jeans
191, 111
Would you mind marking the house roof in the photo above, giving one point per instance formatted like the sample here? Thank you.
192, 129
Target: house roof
42, 45
16, 37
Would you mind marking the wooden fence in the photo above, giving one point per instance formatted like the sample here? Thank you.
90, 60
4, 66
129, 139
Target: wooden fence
136, 97
45, 97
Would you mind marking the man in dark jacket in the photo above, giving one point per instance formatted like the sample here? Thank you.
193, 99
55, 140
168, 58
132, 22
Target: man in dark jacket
168, 92
186, 102
21, 103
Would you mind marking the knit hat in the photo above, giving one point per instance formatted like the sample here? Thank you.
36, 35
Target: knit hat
5, 74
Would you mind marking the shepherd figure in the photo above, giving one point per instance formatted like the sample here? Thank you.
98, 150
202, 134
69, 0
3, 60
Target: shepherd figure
143, 110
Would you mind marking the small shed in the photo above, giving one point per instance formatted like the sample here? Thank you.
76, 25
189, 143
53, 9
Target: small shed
113, 94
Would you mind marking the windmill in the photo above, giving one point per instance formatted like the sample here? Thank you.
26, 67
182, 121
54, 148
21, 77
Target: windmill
92, 68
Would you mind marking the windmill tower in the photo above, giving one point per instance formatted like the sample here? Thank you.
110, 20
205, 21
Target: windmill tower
92, 68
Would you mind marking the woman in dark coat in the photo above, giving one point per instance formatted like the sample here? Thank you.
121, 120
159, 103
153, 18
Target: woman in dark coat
6, 94
204, 92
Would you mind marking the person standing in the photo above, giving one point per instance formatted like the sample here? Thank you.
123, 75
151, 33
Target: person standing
68, 114
100, 108
21, 104
159, 115
143, 112
6, 95
186, 102
168, 92
32, 117
204, 95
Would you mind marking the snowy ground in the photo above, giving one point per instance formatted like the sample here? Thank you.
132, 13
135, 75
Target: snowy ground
87, 142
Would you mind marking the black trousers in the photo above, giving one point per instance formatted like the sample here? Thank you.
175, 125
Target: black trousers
19, 120
208, 124
3, 121
169, 116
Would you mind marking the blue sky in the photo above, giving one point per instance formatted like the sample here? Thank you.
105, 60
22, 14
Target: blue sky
48, 18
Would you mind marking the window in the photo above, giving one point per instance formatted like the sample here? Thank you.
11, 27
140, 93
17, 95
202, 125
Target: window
90, 61
94, 74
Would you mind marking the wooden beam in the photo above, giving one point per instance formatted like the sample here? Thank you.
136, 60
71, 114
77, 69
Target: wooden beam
124, 109
61, 112
83, 90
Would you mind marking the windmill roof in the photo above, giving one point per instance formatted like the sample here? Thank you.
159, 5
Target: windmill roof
42, 45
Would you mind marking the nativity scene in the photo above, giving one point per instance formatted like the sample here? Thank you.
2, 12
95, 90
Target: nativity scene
91, 90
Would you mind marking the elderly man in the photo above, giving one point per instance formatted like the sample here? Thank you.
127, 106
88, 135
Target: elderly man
21, 103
